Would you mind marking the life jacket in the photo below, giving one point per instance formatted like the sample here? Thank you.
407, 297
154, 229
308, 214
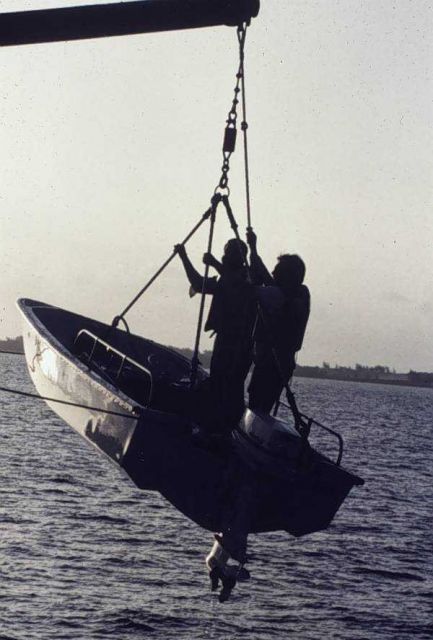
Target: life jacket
232, 311
285, 321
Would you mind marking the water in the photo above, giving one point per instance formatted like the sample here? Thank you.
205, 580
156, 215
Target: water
84, 554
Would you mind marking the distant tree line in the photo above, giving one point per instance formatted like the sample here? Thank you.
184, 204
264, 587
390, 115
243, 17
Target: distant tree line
12, 344
360, 373
364, 373
421, 378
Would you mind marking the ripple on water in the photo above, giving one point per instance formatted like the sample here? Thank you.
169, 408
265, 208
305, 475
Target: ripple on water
86, 555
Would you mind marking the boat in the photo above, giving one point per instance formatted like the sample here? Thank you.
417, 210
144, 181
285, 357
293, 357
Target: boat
130, 398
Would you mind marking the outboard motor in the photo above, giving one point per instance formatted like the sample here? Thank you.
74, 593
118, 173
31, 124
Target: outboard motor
267, 443
217, 563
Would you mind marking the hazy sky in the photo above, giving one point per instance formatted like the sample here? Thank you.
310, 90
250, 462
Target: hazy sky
110, 151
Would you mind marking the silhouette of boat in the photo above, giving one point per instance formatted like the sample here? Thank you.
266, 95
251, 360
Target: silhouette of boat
131, 399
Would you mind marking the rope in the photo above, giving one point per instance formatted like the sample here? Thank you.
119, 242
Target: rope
14, 353
244, 125
195, 359
247, 335
71, 404
120, 317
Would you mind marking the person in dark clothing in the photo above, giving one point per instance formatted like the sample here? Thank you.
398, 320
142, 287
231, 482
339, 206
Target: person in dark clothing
231, 317
284, 310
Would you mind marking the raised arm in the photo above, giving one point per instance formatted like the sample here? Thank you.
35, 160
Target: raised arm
259, 272
209, 259
195, 279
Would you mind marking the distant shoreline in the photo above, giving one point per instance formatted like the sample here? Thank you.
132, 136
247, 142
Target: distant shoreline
14, 345
363, 374
301, 373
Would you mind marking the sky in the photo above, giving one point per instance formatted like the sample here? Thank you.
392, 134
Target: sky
110, 151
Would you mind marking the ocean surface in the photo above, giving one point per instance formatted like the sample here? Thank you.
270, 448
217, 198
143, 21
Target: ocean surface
84, 554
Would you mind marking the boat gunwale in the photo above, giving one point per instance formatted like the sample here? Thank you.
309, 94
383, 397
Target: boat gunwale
321, 458
26, 307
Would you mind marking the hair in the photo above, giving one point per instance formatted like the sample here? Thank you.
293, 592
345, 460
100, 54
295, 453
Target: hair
236, 244
290, 269
235, 253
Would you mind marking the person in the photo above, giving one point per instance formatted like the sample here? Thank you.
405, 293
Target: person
231, 317
284, 303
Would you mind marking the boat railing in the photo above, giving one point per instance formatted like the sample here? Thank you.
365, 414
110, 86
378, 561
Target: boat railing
115, 365
311, 422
